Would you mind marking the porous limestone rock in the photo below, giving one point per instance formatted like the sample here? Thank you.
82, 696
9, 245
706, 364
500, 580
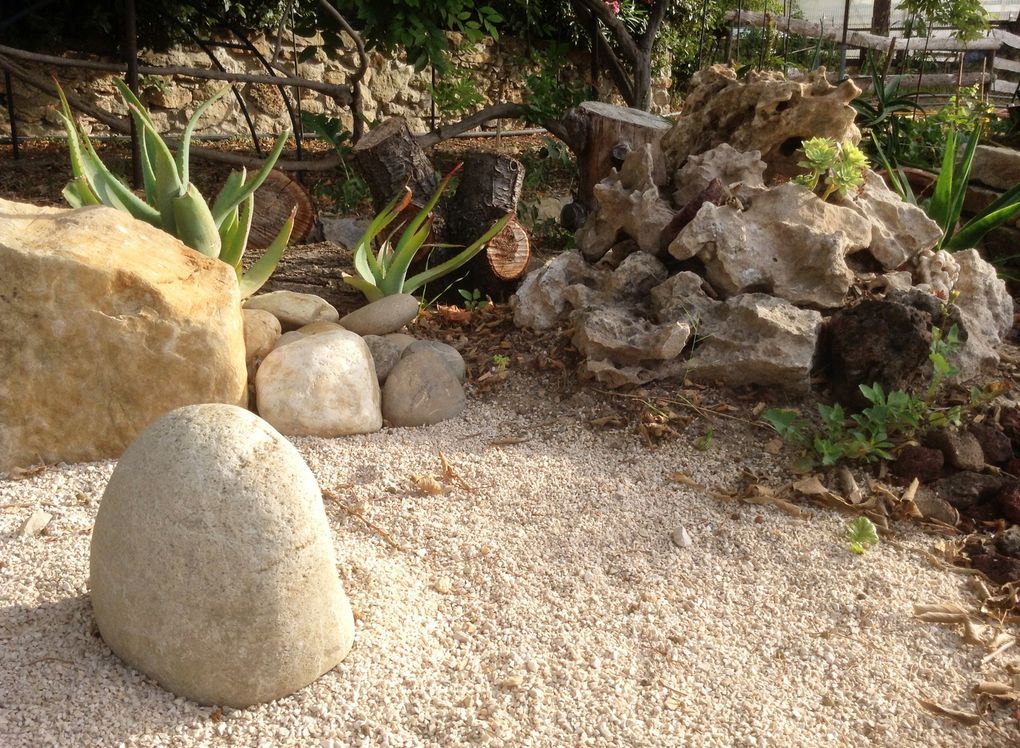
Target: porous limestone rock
384, 316
789, 242
899, 230
682, 298
986, 309
421, 391
996, 167
756, 339
622, 348
261, 331
763, 111
320, 385
107, 323
294, 309
629, 202
212, 567
935, 272
725, 163
540, 303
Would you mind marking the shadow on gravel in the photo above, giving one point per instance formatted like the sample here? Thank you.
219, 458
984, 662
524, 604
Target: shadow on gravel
61, 685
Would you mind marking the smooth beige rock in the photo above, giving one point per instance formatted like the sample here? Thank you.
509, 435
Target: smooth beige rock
320, 385
106, 323
386, 315
421, 391
447, 352
996, 166
212, 567
261, 331
315, 328
294, 309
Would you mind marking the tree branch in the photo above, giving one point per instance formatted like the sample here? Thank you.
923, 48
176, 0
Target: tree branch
503, 110
621, 34
358, 126
655, 17
339, 93
121, 126
610, 61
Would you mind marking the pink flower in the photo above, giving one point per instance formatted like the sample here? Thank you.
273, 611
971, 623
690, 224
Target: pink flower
616, 6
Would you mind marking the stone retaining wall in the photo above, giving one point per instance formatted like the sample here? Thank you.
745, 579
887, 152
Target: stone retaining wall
390, 88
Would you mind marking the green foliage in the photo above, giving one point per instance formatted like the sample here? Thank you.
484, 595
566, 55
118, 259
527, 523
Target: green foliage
384, 272
870, 434
172, 203
967, 18
473, 299
549, 93
501, 360
456, 93
704, 442
840, 167
862, 534
350, 191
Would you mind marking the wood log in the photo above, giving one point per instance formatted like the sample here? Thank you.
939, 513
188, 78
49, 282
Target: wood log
274, 200
597, 130
315, 269
509, 252
489, 188
388, 157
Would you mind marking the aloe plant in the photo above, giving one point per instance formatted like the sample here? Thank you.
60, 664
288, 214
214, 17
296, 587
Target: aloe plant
384, 271
172, 203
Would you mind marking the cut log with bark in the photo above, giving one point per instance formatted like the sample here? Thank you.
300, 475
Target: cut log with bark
601, 135
388, 158
509, 252
274, 200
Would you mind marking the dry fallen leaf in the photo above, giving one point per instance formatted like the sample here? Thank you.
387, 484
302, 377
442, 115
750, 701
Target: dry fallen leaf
774, 446
964, 718
686, 480
810, 486
450, 475
427, 484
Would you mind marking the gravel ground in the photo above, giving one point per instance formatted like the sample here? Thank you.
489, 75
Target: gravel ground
545, 607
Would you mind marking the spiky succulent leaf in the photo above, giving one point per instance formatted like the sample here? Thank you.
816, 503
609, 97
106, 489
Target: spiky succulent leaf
184, 149
228, 199
78, 193
259, 273
234, 232
370, 290
427, 276
195, 224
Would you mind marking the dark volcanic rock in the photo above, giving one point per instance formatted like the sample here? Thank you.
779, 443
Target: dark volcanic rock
1008, 500
995, 445
876, 341
961, 448
923, 463
1000, 569
965, 489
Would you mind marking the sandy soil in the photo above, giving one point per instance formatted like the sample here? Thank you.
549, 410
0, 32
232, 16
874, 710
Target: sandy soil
546, 606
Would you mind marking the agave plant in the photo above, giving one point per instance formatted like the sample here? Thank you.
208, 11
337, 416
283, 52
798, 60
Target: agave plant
384, 271
172, 203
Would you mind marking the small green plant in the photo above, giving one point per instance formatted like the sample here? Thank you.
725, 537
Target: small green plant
869, 435
384, 272
862, 535
350, 190
704, 442
172, 203
839, 167
455, 92
501, 360
473, 300
946, 203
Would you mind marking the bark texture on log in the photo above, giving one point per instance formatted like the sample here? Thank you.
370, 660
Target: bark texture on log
315, 269
274, 200
490, 186
602, 134
509, 252
388, 157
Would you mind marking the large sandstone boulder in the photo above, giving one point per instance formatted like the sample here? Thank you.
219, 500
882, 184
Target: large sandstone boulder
320, 385
212, 567
107, 323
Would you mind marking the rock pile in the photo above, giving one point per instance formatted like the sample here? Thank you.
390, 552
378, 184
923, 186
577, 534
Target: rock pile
731, 262
323, 375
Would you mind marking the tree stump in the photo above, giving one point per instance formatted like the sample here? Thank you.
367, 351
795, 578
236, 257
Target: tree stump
274, 200
388, 158
601, 135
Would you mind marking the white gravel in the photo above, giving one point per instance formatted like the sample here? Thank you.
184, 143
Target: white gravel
546, 607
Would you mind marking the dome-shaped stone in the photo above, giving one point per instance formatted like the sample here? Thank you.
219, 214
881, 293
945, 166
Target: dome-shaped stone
212, 567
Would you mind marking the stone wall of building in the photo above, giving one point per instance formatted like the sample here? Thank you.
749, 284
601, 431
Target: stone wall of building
390, 88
